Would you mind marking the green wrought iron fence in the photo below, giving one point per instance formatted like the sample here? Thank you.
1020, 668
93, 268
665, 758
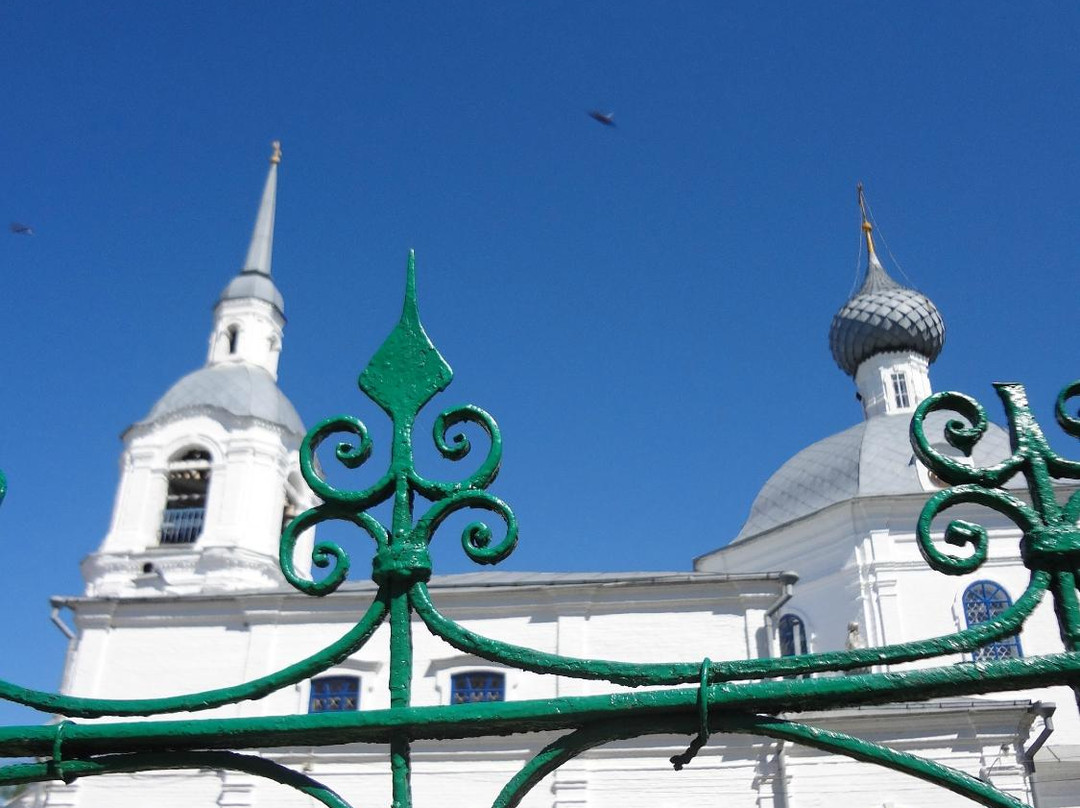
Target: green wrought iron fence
730, 696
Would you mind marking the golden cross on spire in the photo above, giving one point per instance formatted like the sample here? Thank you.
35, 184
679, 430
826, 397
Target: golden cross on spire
275, 157
867, 228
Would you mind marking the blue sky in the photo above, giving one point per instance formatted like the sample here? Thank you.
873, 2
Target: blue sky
644, 309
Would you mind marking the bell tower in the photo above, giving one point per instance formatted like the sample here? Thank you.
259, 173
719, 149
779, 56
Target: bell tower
210, 474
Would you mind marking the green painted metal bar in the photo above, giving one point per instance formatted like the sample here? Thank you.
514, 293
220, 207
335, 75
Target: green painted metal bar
502, 718
70, 770
634, 674
76, 706
566, 748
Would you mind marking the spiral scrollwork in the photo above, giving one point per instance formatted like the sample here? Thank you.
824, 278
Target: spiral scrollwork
324, 554
476, 538
960, 532
350, 455
961, 436
1069, 423
458, 446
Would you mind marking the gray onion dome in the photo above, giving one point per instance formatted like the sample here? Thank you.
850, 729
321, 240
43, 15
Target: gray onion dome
883, 317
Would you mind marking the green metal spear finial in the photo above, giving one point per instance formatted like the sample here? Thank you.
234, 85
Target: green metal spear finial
407, 370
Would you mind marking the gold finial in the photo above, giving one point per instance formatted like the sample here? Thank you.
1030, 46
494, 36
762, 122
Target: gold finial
275, 158
867, 228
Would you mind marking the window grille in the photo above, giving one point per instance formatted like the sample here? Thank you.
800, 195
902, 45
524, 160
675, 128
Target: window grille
474, 686
185, 501
792, 636
985, 600
900, 390
334, 694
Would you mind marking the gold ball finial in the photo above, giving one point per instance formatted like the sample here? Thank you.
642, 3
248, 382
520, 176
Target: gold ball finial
275, 157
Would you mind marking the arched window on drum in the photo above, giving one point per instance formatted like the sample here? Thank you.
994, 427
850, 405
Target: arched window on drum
985, 600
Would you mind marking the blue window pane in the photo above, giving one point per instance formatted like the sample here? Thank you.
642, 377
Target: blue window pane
985, 600
792, 636
334, 694
474, 686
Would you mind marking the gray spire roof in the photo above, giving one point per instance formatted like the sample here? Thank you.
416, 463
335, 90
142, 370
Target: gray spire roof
254, 278
882, 317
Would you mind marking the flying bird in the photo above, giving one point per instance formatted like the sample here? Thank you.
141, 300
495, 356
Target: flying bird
606, 118
22, 229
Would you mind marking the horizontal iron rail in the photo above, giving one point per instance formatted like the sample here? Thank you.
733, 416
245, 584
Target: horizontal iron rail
509, 718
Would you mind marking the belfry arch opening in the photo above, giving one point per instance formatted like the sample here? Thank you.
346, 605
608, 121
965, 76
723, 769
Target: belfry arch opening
188, 476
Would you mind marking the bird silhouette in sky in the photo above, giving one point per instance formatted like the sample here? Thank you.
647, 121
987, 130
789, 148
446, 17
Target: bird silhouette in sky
606, 118
20, 229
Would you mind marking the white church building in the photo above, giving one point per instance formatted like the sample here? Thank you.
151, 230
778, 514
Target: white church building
185, 594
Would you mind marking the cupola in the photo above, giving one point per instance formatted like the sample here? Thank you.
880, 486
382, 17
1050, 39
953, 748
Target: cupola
885, 336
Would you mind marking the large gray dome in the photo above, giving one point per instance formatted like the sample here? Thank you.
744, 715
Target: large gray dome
870, 459
251, 283
238, 388
884, 316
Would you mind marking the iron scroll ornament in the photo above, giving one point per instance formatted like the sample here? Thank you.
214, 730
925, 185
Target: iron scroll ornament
731, 696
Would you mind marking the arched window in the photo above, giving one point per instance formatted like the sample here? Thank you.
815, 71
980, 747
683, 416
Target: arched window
334, 694
985, 600
792, 636
232, 333
473, 686
185, 501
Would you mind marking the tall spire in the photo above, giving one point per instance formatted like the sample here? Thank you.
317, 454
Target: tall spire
260, 254
244, 330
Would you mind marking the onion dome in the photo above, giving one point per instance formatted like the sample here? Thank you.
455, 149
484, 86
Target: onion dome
883, 317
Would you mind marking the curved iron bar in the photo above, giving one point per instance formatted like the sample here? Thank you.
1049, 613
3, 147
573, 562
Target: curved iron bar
962, 437
325, 553
78, 706
459, 447
19, 773
960, 531
635, 674
566, 748
350, 456
476, 538
1070, 424
445, 722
